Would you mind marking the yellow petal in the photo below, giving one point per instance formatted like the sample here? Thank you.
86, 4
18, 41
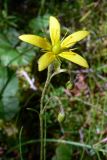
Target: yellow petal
45, 60
75, 58
73, 38
54, 28
36, 40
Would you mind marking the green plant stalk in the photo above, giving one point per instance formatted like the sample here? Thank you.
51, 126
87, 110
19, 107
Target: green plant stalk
45, 127
20, 145
41, 7
42, 148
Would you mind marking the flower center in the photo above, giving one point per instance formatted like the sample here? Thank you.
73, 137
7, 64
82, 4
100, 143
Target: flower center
56, 48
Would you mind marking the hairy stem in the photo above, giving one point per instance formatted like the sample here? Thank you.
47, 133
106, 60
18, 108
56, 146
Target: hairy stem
45, 137
42, 113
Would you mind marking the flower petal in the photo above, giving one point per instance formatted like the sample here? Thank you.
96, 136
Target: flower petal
54, 28
36, 40
75, 58
45, 60
73, 38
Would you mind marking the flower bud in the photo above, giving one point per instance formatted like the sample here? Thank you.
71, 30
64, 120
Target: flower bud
69, 85
61, 117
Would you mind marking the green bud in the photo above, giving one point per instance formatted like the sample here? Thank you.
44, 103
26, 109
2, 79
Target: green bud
61, 117
69, 85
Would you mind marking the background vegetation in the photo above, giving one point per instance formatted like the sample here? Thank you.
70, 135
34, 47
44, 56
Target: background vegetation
83, 93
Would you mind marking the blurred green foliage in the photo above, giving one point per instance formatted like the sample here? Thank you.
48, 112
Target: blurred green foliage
84, 102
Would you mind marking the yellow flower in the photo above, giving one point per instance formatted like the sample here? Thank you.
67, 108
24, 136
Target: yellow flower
57, 48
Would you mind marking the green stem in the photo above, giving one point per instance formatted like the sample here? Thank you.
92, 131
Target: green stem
41, 7
20, 143
45, 137
42, 114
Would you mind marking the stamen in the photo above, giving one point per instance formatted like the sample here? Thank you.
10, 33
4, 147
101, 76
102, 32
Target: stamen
64, 36
72, 49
